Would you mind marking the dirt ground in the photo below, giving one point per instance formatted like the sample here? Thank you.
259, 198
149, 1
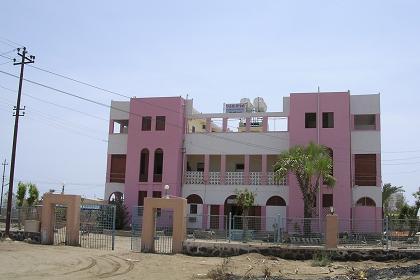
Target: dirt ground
19, 260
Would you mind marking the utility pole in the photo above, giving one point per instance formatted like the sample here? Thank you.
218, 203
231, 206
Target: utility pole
25, 60
2, 184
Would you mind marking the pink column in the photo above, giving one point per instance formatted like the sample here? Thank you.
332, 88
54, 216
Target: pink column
108, 168
246, 170
221, 217
208, 124
263, 217
248, 124
205, 216
206, 168
222, 169
265, 124
225, 124
264, 180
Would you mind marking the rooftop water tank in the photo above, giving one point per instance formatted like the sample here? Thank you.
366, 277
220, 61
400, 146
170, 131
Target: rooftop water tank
248, 103
260, 105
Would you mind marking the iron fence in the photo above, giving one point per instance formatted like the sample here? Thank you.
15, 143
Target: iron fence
362, 233
261, 229
19, 215
404, 233
136, 228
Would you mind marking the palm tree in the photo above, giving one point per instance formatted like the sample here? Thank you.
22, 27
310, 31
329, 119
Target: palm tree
387, 191
310, 165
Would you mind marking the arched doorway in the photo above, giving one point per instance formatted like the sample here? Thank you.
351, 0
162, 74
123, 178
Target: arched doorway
195, 211
275, 209
116, 197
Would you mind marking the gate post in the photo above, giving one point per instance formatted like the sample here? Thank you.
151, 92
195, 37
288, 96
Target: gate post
331, 231
230, 226
278, 228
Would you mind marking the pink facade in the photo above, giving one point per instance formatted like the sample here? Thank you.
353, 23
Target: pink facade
336, 138
169, 140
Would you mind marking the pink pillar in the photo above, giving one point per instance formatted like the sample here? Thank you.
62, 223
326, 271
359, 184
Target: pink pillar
222, 169
264, 180
208, 124
248, 124
263, 217
225, 124
108, 168
206, 168
246, 170
221, 217
265, 124
205, 216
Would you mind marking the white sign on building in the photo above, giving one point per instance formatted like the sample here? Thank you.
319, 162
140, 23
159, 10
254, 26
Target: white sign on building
235, 108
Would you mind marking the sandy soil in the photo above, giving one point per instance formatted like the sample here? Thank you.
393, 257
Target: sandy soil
19, 260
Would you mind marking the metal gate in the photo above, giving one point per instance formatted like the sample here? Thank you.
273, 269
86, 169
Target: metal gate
136, 228
97, 226
60, 219
163, 221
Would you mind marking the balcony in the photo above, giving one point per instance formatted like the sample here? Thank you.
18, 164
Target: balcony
234, 178
194, 177
272, 181
255, 178
214, 178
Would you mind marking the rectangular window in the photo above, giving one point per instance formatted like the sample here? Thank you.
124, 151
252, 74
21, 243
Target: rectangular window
365, 169
117, 172
327, 200
310, 120
328, 120
239, 167
157, 194
142, 195
193, 209
214, 216
120, 126
365, 122
160, 122
146, 124
200, 166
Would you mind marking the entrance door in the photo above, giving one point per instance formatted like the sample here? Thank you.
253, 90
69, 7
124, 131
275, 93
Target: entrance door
163, 220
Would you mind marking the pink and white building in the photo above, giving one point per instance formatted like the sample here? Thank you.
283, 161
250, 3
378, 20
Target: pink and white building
205, 157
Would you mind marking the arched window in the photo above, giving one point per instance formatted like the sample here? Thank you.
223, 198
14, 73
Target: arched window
366, 201
158, 166
116, 197
275, 201
144, 165
194, 199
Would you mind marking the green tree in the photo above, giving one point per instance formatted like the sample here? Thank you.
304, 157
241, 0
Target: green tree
408, 215
245, 199
387, 191
33, 194
310, 165
21, 193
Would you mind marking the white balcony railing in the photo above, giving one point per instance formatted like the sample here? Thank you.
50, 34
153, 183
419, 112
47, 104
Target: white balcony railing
272, 181
214, 178
234, 178
194, 177
255, 178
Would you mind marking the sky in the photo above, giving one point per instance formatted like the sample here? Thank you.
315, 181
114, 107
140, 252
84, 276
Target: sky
216, 52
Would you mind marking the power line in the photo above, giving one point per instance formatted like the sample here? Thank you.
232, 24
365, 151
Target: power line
55, 104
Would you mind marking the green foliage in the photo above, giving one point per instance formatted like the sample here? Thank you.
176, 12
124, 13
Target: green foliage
21, 193
33, 194
310, 165
245, 199
387, 191
321, 259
